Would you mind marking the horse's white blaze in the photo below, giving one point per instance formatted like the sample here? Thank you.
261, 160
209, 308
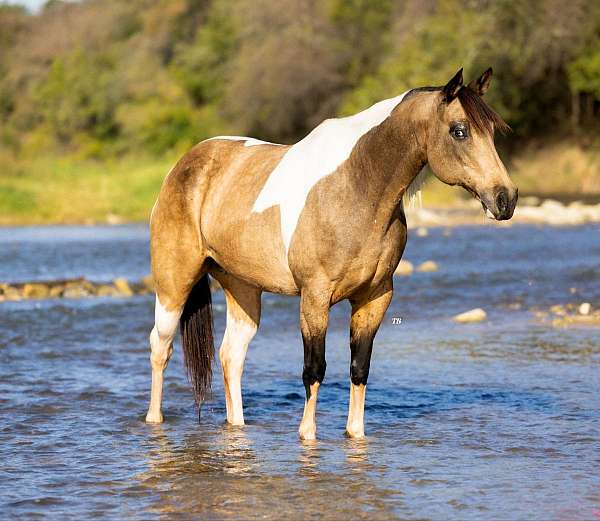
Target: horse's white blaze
314, 157
249, 141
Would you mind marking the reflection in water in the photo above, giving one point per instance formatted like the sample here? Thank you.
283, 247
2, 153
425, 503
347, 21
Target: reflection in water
356, 453
309, 457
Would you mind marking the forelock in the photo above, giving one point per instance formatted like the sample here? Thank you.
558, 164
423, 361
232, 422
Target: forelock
479, 112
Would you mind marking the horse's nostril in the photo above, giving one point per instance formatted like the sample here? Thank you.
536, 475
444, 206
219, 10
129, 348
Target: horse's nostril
502, 200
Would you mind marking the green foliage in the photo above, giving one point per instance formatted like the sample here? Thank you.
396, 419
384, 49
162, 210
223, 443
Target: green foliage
584, 72
452, 35
363, 34
201, 66
80, 94
97, 81
156, 126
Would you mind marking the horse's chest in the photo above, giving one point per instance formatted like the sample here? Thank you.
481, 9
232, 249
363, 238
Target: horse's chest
370, 264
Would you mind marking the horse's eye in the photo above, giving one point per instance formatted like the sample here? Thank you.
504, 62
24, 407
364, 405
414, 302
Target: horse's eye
459, 132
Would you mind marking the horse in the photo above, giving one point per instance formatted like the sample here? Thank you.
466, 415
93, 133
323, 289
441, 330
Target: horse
322, 219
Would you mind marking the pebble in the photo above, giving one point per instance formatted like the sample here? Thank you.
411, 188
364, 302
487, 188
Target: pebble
404, 268
585, 308
473, 315
123, 287
428, 266
35, 290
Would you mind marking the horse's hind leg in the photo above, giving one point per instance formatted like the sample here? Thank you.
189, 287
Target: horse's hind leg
161, 345
243, 317
177, 264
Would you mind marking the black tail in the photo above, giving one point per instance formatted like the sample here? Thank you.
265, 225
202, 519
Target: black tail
197, 338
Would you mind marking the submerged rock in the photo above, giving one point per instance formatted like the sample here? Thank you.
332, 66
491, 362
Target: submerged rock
404, 268
123, 287
9, 292
79, 288
427, 266
106, 290
558, 309
473, 315
56, 291
35, 290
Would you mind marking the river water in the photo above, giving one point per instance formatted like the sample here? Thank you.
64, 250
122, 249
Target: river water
497, 420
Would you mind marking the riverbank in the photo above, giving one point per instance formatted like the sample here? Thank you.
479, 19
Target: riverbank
71, 189
530, 210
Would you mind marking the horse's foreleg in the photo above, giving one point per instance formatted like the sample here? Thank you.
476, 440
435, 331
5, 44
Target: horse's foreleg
367, 314
161, 345
243, 316
314, 315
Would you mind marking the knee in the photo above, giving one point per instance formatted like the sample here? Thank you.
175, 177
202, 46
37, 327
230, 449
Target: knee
165, 322
359, 373
314, 372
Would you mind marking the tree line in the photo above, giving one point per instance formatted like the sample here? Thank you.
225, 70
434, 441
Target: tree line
110, 77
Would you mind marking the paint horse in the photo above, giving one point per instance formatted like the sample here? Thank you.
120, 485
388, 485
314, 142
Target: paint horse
322, 219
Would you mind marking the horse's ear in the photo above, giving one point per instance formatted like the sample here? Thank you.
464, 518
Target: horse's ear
482, 84
450, 91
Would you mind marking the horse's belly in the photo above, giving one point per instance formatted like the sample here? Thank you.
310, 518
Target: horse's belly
251, 248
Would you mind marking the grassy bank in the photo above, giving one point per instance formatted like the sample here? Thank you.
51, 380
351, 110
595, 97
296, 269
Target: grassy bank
69, 190
55, 189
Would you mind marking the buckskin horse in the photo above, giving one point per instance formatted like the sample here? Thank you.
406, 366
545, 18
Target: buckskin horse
322, 219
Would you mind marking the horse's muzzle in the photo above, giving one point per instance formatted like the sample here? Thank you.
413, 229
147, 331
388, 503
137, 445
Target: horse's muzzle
502, 203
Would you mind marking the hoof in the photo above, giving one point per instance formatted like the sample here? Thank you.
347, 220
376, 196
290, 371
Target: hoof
355, 433
154, 418
307, 433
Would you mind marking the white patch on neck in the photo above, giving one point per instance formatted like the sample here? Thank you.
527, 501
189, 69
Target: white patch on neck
412, 196
314, 157
249, 141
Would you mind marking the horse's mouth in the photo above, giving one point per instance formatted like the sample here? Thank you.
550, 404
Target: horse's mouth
488, 213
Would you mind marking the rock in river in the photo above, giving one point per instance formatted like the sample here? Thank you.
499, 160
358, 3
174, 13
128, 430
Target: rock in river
404, 268
474, 315
428, 266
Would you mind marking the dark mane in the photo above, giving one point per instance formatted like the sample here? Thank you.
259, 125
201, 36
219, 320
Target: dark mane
478, 111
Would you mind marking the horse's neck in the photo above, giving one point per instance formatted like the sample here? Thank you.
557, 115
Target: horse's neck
389, 159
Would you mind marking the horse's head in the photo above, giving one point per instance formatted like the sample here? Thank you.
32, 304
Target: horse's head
460, 145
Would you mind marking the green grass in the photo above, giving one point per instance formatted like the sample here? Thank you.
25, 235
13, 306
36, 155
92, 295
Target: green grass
69, 190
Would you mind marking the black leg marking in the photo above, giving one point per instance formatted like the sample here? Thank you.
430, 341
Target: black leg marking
361, 347
314, 362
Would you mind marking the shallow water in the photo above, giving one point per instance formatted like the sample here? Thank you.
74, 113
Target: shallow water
498, 420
